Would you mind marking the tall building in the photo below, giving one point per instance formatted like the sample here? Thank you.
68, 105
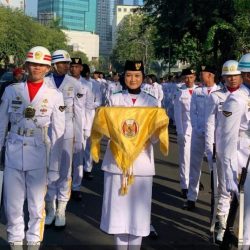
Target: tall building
105, 14
131, 2
79, 15
106, 11
15, 4
120, 12
85, 42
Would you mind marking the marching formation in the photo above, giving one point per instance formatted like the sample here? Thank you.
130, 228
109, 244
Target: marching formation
53, 119
212, 122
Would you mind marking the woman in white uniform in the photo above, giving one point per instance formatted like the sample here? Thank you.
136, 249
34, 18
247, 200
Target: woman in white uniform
128, 216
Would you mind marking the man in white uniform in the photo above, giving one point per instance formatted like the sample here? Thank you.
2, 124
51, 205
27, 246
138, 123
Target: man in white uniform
113, 86
76, 68
72, 94
197, 114
153, 88
184, 127
213, 128
235, 138
31, 107
93, 101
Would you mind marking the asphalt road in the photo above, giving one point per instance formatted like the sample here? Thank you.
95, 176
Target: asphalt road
177, 228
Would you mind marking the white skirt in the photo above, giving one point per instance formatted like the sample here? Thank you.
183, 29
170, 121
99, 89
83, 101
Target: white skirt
128, 214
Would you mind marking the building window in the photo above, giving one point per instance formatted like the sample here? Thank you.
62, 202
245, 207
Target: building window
119, 9
125, 9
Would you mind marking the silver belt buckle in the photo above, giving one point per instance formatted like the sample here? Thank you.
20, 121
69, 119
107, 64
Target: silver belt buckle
29, 132
20, 131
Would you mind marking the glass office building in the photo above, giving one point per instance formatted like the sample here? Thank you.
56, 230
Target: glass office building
131, 2
77, 15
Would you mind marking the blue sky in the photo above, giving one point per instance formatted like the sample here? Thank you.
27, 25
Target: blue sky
31, 7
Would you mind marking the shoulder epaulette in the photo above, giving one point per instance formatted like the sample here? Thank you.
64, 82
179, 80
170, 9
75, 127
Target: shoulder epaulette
242, 92
150, 95
222, 90
14, 83
117, 92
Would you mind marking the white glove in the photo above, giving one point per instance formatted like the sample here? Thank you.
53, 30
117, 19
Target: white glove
87, 133
232, 186
52, 176
181, 139
77, 147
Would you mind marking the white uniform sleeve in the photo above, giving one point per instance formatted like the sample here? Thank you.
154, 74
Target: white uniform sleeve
57, 132
97, 95
178, 113
4, 118
78, 107
231, 119
210, 118
193, 111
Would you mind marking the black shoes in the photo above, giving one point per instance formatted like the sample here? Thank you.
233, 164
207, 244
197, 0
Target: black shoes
76, 195
153, 234
88, 176
189, 205
184, 193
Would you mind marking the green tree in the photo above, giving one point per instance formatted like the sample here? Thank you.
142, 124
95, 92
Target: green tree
18, 33
199, 31
133, 42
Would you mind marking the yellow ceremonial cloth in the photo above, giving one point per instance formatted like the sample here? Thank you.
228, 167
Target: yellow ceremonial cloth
129, 130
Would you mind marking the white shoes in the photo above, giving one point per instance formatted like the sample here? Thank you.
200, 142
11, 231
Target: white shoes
50, 212
222, 227
17, 245
60, 214
33, 245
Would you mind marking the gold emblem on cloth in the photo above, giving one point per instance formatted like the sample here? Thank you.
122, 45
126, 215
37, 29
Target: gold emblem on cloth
130, 128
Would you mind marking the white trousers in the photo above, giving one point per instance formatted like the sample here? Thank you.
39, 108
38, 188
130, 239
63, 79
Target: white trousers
77, 170
184, 162
127, 242
61, 189
196, 158
87, 157
224, 196
18, 186
243, 154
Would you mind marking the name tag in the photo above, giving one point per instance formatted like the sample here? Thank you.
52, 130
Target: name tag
16, 102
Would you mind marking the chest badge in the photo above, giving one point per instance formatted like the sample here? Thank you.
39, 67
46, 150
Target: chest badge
29, 112
226, 113
62, 108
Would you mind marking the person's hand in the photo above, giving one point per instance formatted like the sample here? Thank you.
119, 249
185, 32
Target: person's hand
232, 186
181, 139
77, 147
52, 176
